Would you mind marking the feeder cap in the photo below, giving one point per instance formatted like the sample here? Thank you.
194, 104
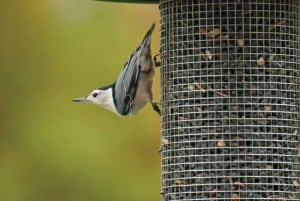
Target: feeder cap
131, 1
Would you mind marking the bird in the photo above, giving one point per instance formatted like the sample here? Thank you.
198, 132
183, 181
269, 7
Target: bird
133, 88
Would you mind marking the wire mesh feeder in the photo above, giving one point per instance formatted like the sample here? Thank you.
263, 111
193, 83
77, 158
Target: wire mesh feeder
230, 99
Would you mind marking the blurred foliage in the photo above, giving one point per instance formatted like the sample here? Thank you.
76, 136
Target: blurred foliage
52, 149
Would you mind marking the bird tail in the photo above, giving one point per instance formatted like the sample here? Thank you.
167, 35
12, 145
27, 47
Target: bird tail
147, 38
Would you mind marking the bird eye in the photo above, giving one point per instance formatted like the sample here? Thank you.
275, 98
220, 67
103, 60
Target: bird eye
95, 95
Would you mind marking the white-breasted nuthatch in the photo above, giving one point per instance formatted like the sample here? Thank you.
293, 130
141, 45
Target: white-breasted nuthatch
133, 87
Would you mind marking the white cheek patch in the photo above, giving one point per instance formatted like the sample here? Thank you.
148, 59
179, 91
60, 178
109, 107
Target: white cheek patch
105, 99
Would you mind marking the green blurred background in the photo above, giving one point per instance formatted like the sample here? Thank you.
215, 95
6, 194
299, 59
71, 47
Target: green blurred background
52, 149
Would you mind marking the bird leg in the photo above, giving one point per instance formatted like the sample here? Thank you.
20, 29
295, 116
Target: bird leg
156, 107
156, 62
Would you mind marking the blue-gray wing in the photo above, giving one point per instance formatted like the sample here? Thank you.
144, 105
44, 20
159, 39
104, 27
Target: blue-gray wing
126, 84
125, 87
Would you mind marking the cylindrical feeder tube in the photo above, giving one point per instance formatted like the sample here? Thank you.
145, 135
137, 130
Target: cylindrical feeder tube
230, 99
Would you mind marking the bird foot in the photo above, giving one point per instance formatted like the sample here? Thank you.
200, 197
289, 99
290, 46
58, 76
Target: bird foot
156, 62
156, 107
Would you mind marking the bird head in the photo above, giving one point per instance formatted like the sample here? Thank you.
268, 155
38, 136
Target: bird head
102, 97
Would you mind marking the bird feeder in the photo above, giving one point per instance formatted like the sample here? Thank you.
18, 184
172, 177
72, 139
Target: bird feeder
230, 94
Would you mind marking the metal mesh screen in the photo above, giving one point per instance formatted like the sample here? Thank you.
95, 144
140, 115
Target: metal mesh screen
230, 99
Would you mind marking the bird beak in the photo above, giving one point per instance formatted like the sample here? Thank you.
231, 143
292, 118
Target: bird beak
83, 99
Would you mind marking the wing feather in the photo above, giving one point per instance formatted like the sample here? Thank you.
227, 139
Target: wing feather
126, 84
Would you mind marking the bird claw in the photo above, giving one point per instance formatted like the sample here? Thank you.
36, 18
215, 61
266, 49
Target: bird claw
156, 107
156, 62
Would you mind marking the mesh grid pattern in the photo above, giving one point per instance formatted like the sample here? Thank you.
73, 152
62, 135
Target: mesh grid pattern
230, 99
